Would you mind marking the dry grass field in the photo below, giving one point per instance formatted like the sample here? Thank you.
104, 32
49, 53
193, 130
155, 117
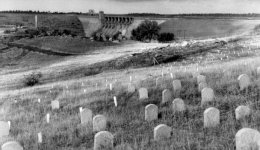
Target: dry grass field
71, 81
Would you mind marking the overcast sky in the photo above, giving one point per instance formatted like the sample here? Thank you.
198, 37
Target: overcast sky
129, 6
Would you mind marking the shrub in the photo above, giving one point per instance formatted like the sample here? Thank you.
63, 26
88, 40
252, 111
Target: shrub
33, 79
166, 37
147, 30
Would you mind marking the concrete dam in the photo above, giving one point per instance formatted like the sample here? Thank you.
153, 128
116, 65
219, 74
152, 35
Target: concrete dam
108, 25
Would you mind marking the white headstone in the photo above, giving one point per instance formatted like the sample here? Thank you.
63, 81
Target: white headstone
201, 78
162, 132
151, 112
55, 104
244, 81
48, 118
166, 96
246, 139
178, 105
242, 112
207, 95
99, 123
143, 93
131, 88
11, 145
4, 128
115, 101
176, 87
39, 137
103, 140
201, 86
86, 116
211, 117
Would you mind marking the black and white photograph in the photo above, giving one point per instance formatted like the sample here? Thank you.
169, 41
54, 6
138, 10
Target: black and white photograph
129, 74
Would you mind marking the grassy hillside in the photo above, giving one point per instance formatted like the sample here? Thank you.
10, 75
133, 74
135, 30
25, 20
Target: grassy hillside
126, 122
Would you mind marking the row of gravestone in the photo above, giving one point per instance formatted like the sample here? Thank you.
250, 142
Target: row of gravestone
211, 115
245, 138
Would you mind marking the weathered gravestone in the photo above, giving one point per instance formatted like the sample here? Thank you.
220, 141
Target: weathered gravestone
55, 104
201, 79
151, 112
246, 139
103, 140
244, 81
242, 112
99, 123
162, 132
201, 86
211, 117
176, 88
11, 145
4, 128
166, 96
130, 88
86, 116
207, 95
178, 105
143, 93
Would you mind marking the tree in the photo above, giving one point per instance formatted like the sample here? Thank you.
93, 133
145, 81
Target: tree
147, 30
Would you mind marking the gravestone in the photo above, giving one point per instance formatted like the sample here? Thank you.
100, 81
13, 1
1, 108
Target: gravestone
162, 132
178, 105
246, 139
55, 104
207, 95
201, 86
176, 88
131, 88
242, 112
211, 117
166, 96
4, 128
99, 123
201, 79
143, 93
11, 145
244, 81
86, 116
151, 112
103, 140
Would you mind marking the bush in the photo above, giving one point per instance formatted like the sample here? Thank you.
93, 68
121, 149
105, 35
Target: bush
33, 79
147, 30
166, 37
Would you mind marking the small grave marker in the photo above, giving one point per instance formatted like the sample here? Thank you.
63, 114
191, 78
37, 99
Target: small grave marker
151, 112
99, 123
242, 112
55, 104
143, 93
178, 105
211, 117
162, 132
176, 87
246, 139
103, 140
86, 116
39, 137
207, 95
166, 96
244, 81
4, 129
11, 145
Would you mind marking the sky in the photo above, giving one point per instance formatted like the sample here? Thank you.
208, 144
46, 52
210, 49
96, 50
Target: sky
136, 6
